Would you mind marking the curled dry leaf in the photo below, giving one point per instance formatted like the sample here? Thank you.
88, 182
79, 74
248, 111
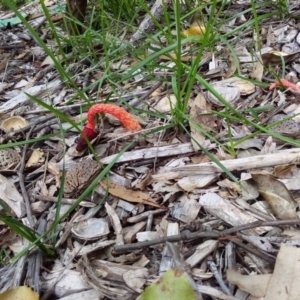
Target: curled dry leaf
36, 158
277, 195
8, 158
13, 123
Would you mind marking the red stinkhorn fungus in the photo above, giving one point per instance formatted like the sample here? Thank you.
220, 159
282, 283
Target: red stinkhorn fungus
285, 83
128, 121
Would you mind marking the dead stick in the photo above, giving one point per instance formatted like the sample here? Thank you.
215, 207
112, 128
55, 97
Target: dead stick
22, 184
197, 235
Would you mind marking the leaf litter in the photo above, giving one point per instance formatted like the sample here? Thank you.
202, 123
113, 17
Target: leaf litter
170, 207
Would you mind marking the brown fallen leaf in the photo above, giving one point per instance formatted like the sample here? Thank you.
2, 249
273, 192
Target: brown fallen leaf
282, 171
277, 195
128, 195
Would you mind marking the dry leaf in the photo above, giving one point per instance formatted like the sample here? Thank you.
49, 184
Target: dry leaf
10, 195
19, 293
128, 195
166, 103
135, 279
256, 285
277, 195
257, 71
196, 30
36, 158
284, 283
282, 170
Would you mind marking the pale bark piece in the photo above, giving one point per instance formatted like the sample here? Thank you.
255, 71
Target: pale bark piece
277, 195
256, 285
284, 284
214, 292
154, 152
116, 224
165, 104
230, 93
65, 281
166, 262
147, 236
260, 161
86, 295
145, 215
135, 279
10, 195
196, 182
37, 91
131, 232
186, 209
148, 24
201, 252
201, 274
86, 249
227, 212
114, 271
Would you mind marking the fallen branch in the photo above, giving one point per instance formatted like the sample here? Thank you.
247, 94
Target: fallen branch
188, 236
260, 161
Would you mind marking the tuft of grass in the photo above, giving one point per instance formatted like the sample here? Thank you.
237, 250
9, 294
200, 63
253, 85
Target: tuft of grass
107, 29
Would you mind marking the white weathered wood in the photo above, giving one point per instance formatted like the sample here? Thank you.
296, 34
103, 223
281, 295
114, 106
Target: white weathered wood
186, 209
167, 260
170, 150
10, 195
191, 183
131, 231
260, 161
213, 292
116, 224
37, 91
201, 252
229, 213
148, 24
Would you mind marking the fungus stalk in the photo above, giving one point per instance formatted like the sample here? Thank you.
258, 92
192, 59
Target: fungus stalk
89, 130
